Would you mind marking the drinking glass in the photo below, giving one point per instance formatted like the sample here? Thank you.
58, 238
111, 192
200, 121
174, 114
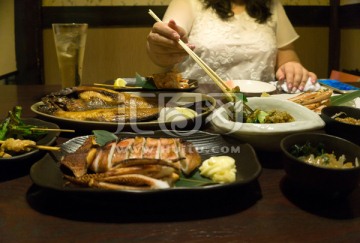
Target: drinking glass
70, 39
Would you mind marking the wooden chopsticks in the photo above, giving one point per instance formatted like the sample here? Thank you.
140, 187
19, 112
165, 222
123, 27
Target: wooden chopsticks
222, 85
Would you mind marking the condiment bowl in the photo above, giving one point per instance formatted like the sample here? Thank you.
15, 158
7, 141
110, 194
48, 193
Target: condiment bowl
325, 180
348, 131
266, 136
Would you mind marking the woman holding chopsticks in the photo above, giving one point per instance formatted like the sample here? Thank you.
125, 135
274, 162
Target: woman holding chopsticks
238, 39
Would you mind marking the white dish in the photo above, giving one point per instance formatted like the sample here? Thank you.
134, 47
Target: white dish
266, 136
252, 86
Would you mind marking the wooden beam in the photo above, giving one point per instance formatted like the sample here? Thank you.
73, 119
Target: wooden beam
28, 42
349, 16
334, 37
31, 18
136, 16
124, 16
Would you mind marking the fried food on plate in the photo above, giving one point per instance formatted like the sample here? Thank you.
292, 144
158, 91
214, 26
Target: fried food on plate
170, 80
315, 100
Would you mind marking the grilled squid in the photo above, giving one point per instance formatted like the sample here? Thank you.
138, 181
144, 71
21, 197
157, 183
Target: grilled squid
147, 160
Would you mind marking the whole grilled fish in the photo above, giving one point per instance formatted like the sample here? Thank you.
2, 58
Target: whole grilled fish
87, 103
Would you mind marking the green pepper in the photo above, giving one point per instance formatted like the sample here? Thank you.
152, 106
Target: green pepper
14, 127
26, 132
17, 110
261, 116
4, 128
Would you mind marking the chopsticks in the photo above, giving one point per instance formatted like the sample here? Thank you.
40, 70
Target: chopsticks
222, 85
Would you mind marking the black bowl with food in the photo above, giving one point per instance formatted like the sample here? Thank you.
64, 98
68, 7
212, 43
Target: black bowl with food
332, 167
342, 121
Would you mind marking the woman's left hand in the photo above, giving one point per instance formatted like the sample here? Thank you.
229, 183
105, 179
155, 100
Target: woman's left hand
295, 76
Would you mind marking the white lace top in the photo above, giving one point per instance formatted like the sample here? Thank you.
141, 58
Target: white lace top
239, 48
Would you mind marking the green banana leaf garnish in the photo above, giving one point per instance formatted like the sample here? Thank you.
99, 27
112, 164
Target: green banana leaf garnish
193, 181
343, 98
143, 82
102, 137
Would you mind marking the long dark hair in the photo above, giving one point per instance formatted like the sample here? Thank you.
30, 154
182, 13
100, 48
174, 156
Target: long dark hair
258, 9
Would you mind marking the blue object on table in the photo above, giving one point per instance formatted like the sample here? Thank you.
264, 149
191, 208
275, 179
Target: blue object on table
337, 85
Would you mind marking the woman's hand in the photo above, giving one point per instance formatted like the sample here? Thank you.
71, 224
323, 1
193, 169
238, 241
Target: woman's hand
162, 44
295, 76
291, 70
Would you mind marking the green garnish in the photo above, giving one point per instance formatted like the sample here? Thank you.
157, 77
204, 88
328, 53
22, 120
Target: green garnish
193, 181
4, 128
102, 137
14, 127
143, 82
261, 116
258, 116
343, 98
307, 149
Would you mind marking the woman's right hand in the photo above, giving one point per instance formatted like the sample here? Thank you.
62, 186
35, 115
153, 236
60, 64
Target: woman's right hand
162, 44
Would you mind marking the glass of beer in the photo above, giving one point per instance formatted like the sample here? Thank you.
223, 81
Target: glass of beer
70, 39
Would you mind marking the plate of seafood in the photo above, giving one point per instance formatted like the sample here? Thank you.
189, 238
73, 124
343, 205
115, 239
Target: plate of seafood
90, 107
164, 162
317, 100
148, 84
313, 100
168, 81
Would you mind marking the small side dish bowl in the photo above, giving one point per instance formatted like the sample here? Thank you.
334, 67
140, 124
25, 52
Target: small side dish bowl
324, 180
338, 128
252, 87
266, 136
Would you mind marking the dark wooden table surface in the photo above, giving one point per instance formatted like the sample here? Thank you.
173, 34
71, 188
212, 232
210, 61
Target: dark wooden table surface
270, 209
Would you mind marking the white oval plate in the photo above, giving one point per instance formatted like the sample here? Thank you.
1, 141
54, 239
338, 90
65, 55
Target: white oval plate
252, 86
266, 136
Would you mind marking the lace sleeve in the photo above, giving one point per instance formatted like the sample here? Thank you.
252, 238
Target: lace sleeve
183, 12
285, 32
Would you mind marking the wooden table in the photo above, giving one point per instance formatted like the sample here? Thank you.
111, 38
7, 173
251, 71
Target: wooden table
270, 209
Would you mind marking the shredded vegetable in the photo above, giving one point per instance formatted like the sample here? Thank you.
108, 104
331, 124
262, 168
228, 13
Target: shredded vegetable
317, 155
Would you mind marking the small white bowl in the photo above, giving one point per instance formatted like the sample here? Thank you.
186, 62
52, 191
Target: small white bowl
252, 87
266, 137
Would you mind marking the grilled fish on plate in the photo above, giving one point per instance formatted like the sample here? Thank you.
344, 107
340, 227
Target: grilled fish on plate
87, 103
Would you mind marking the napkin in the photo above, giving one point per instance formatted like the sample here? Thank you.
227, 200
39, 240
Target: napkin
309, 86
